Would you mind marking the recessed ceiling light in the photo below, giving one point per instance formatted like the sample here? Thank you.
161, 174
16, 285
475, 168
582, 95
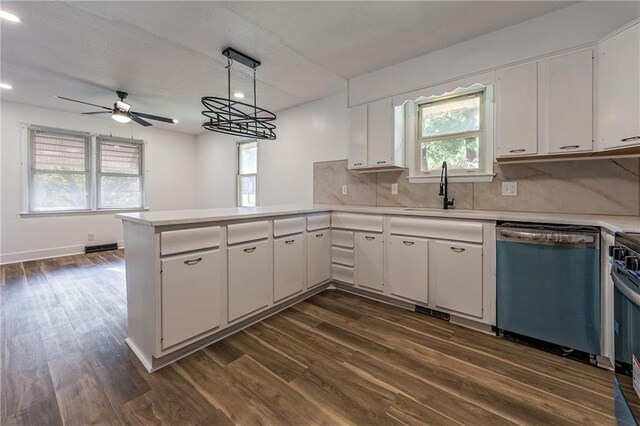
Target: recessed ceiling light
238, 95
175, 121
9, 16
5, 86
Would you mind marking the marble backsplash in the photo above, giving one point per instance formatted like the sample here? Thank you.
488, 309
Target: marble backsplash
610, 187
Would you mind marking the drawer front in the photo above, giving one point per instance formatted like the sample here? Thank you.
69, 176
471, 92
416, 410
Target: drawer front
342, 256
342, 238
458, 230
183, 240
251, 231
341, 273
318, 221
289, 226
360, 222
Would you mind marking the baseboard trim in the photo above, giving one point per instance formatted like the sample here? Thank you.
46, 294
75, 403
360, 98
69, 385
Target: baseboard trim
24, 256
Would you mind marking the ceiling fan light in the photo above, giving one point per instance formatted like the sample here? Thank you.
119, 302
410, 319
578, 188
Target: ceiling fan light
120, 116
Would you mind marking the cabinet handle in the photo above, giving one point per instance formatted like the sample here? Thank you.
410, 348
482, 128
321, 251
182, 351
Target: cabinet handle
319, 235
369, 238
408, 243
570, 147
632, 138
357, 164
381, 162
457, 249
249, 250
289, 241
517, 150
192, 261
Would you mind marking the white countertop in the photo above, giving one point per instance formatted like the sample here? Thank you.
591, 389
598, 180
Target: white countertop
182, 217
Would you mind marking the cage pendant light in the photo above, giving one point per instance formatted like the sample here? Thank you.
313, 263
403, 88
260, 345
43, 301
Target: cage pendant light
232, 117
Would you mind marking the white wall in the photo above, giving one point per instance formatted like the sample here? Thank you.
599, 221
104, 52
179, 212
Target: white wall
316, 131
170, 184
570, 27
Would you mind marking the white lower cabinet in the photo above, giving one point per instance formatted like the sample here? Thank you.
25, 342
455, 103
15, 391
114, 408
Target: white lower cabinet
289, 261
318, 257
408, 267
250, 279
191, 288
370, 260
456, 273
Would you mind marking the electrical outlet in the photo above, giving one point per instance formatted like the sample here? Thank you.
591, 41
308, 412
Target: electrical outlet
344, 189
90, 236
509, 189
394, 189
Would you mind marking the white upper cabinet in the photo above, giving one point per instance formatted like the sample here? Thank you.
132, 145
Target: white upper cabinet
358, 134
619, 90
517, 110
380, 131
565, 110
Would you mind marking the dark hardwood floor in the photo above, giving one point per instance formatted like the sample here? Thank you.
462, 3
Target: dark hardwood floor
334, 359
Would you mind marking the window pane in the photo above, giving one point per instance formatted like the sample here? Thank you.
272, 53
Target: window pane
59, 191
58, 152
120, 191
455, 115
120, 158
248, 158
247, 191
459, 153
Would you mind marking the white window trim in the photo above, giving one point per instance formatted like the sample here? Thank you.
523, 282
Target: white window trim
239, 176
485, 174
98, 174
25, 165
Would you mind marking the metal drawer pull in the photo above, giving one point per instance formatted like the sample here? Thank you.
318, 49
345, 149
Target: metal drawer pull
518, 150
319, 235
632, 138
369, 238
357, 164
192, 261
570, 147
457, 249
249, 250
381, 162
289, 241
408, 243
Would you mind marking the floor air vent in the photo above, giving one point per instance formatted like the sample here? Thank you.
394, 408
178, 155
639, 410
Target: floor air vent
101, 247
432, 313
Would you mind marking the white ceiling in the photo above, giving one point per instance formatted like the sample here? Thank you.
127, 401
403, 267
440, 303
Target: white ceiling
167, 54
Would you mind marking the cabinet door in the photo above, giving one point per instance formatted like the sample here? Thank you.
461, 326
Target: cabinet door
319, 257
566, 102
408, 267
250, 278
191, 302
370, 258
358, 136
289, 266
517, 110
380, 148
619, 89
456, 270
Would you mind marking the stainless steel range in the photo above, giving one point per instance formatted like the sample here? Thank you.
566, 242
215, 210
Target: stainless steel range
625, 272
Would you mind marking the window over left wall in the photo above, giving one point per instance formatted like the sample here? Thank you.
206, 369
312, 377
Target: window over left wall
70, 171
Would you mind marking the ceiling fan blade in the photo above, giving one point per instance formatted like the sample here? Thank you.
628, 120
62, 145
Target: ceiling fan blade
96, 112
154, 117
140, 120
82, 102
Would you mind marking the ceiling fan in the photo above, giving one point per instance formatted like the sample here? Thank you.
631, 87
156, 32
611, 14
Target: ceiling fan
121, 111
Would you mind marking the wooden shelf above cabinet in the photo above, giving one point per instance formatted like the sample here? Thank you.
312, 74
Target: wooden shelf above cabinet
612, 153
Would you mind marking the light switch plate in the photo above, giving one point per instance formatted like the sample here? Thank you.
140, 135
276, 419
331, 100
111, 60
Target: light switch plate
509, 189
394, 189
344, 189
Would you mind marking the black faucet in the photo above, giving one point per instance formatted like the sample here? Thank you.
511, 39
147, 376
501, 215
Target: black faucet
444, 187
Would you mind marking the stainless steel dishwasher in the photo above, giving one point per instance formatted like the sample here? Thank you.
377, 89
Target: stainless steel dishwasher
548, 284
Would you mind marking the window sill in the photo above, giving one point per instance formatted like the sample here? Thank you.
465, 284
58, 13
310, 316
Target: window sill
81, 212
484, 177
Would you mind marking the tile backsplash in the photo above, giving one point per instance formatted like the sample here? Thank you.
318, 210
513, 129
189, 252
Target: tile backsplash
609, 187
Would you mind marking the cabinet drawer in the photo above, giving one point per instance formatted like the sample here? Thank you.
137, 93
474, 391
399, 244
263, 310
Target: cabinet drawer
292, 225
439, 229
251, 231
189, 240
343, 274
342, 238
342, 256
360, 222
318, 221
